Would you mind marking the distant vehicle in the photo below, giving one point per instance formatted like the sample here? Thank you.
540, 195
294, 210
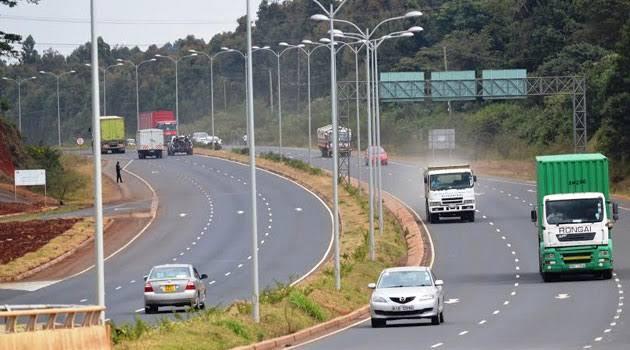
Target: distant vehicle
160, 119
131, 142
180, 144
202, 138
245, 139
325, 140
112, 134
150, 143
174, 285
410, 292
449, 191
575, 215
375, 154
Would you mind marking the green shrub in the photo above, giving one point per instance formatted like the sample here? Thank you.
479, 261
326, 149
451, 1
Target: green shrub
304, 303
236, 327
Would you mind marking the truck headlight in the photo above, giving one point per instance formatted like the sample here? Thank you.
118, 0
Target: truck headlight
378, 299
550, 256
469, 201
603, 253
434, 204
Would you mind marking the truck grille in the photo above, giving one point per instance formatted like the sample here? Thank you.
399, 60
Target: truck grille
585, 236
402, 300
452, 200
576, 258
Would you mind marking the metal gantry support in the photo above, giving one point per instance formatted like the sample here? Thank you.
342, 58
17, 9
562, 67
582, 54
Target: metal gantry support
489, 89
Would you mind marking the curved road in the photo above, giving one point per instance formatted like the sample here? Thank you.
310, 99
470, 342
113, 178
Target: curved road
204, 219
496, 298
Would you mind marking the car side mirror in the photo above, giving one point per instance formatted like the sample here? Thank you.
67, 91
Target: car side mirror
204, 276
475, 178
425, 179
146, 277
439, 283
533, 215
615, 210
372, 285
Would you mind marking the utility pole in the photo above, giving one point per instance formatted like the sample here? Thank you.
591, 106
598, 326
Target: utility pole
271, 91
445, 69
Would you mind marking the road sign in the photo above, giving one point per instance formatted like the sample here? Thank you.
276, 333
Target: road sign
30, 177
80, 141
442, 139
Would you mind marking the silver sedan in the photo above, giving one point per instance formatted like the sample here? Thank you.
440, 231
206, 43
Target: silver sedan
407, 293
174, 285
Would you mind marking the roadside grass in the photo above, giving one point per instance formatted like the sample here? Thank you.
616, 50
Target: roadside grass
72, 238
285, 309
42, 215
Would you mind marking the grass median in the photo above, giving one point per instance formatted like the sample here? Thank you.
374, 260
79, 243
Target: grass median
285, 309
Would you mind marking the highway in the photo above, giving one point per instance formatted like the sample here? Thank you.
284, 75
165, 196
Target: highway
495, 296
204, 219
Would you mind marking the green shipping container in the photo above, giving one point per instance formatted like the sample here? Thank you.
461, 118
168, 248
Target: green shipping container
112, 128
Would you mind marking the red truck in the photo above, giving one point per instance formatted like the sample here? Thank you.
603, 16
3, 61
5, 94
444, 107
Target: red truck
160, 119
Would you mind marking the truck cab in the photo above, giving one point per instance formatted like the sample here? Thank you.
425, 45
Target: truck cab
449, 191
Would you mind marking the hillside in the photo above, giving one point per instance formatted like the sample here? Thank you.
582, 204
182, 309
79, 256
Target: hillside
12, 153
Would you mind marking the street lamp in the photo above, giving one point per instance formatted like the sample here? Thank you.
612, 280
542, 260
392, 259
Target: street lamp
176, 60
104, 71
58, 76
278, 56
136, 67
19, 82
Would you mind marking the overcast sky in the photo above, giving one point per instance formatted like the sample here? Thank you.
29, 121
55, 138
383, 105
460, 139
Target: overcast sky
64, 24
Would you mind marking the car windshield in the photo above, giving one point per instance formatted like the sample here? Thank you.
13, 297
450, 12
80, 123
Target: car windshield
200, 135
171, 272
400, 279
451, 181
375, 150
574, 211
169, 127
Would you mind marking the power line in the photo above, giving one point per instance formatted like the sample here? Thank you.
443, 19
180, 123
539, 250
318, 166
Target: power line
113, 21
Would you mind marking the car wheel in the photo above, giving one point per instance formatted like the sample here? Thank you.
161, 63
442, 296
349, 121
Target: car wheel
150, 309
435, 320
378, 322
442, 317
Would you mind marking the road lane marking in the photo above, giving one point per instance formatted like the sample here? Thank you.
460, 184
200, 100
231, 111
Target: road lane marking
463, 332
182, 215
139, 310
240, 212
482, 322
82, 300
436, 345
132, 281
452, 301
496, 312
118, 288
227, 274
239, 266
212, 282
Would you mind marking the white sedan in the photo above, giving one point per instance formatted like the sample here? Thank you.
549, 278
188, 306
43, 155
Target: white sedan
407, 293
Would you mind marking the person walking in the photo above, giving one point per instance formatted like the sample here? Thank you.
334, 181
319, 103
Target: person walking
118, 177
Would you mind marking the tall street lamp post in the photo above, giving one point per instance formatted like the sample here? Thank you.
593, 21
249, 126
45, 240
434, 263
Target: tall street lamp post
176, 60
136, 67
58, 76
19, 82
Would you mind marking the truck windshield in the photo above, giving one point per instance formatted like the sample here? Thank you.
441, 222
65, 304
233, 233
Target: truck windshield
344, 136
451, 181
576, 211
169, 127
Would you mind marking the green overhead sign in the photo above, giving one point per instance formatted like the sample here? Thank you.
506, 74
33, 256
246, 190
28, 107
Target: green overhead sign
504, 83
453, 85
407, 86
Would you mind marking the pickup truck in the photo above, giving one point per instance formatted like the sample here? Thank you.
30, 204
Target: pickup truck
180, 144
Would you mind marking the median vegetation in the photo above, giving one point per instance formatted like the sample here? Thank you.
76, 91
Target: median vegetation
285, 309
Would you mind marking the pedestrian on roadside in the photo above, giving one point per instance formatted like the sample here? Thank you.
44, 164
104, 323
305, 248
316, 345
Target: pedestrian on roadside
118, 177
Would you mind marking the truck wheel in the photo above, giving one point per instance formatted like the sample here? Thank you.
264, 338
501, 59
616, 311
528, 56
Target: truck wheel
606, 274
434, 218
471, 216
549, 277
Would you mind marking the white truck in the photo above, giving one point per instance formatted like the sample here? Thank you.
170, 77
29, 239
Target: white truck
449, 191
150, 142
325, 140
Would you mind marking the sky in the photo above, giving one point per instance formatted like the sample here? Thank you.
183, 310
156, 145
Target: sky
65, 24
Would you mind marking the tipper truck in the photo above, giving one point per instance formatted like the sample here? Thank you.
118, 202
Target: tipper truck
449, 191
112, 134
325, 140
161, 119
574, 215
150, 142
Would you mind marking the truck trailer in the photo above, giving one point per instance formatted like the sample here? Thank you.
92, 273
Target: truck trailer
574, 215
150, 143
160, 119
112, 134
325, 140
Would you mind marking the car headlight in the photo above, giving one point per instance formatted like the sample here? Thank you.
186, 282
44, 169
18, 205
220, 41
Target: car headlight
378, 299
433, 204
426, 297
469, 201
550, 256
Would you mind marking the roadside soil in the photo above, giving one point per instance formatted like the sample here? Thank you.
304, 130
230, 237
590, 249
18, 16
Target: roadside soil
13, 208
18, 238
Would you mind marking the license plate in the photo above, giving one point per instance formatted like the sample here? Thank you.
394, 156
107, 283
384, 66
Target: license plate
169, 288
403, 308
577, 266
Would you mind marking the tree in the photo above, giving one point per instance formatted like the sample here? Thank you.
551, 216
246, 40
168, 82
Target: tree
8, 39
29, 53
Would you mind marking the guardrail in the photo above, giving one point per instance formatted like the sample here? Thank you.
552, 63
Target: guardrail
52, 327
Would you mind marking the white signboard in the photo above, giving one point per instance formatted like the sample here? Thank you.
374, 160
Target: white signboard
30, 177
442, 139
80, 141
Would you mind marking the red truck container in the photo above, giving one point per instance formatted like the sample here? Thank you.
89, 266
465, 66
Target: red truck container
161, 119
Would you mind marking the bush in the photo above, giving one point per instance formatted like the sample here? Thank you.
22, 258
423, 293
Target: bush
304, 303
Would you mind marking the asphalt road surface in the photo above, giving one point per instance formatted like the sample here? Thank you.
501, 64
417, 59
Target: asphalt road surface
495, 296
203, 219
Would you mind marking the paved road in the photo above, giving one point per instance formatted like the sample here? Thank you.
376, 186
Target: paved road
491, 275
203, 218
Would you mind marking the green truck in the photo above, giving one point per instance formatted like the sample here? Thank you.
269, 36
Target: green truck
112, 134
574, 215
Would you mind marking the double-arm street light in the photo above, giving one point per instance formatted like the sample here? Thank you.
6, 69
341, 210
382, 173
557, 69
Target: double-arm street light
58, 76
278, 55
136, 67
104, 71
19, 82
365, 37
307, 51
176, 60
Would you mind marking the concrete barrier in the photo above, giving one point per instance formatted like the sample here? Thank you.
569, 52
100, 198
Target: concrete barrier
53, 328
